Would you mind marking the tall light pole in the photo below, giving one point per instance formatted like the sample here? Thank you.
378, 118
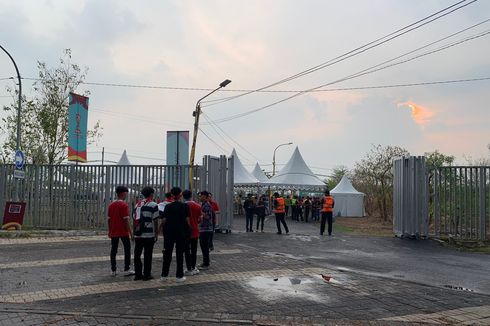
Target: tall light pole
274, 157
196, 114
20, 98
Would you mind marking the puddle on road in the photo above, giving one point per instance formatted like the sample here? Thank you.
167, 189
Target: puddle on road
268, 288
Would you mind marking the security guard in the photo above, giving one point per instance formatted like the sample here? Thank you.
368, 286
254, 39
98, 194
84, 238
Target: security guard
327, 212
280, 211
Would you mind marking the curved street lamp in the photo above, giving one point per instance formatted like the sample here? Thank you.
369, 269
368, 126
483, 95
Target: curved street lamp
196, 114
274, 157
20, 98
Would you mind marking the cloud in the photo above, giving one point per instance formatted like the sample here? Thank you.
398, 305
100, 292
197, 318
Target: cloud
421, 115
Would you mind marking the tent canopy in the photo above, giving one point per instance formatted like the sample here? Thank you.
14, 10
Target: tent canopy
240, 175
296, 173
345, 187
259, 174
124, 159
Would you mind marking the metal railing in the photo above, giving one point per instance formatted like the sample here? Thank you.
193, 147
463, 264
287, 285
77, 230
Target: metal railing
77, 196
460, 202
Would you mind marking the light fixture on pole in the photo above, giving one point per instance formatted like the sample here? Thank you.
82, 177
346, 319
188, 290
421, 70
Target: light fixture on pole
274, 157
196, 114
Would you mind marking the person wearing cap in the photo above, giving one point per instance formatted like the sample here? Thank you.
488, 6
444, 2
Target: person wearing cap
205, 228
280, 211
249, 206
120, 229
327, 213
145, 234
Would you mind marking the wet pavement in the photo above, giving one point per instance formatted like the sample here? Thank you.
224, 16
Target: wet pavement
255, 278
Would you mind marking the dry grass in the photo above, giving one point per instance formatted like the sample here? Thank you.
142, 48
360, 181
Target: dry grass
369, 225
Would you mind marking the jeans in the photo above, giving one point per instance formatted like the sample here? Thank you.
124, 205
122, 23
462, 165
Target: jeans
191, 253
249, 217
326, 217
168, 247
204, 243
141, 244
279, 220
127, 252
260, 218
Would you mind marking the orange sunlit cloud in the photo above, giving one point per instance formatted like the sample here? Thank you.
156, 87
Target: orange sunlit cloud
420, 114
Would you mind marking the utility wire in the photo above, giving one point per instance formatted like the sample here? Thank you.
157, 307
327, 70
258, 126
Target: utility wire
214, 125
356, 51
356, 75
218, 145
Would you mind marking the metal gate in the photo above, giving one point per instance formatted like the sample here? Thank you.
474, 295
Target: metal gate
451, 201
410, 197
77, 196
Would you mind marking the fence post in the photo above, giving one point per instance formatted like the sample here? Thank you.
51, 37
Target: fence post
482, 203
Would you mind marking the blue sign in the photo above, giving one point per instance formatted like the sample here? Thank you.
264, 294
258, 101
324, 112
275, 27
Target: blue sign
19, 160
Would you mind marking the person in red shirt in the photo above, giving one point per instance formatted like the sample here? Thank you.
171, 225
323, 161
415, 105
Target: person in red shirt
191, 246
119, 228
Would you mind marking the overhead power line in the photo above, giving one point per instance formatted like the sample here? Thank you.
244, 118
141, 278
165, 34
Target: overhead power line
363, 72
361, 49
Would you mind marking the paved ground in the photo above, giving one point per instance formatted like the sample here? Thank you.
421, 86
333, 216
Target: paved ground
255, 278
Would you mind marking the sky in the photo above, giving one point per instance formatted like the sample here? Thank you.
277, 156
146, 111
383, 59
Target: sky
254, 43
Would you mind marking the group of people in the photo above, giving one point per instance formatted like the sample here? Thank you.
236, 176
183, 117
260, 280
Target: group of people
321, 210
181, 221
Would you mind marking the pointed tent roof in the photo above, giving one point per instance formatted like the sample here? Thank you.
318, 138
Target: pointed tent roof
124, 159
345, 187
259, 174
240, 175
296, 173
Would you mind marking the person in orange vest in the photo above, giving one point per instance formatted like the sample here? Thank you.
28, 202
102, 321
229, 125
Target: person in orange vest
327, 212
280, 211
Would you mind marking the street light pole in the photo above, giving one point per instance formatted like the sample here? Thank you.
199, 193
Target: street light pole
20, 98
196, 115
274, 158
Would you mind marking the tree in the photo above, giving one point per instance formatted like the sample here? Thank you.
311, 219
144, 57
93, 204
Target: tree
337, 173
45, 117
372, 175
436, 159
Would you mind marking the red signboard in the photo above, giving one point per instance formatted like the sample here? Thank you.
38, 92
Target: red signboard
13, 216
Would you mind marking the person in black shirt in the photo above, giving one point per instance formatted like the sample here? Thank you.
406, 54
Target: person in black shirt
249, 206
176, 230
260, 211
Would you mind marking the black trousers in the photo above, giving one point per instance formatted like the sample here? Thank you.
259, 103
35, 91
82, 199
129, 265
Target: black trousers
127, 252
141, 244
326, 217
279, 220
287, 210
249, 221
169, 240
307, 212
260, 220
204, 238
191, 253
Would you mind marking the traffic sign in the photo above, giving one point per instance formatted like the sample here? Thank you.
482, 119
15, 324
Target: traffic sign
19, 174
19, 160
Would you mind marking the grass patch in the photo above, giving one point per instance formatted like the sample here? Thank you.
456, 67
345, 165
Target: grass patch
369, 225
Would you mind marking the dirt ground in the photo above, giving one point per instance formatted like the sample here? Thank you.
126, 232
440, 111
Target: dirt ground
368, 225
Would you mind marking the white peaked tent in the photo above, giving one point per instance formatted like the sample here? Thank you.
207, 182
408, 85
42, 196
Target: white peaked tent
241, 176
259, 174
348, 201
296, 174
124, 159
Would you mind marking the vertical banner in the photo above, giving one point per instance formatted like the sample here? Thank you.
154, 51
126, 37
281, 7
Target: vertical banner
77, 128
177, 147
177, 155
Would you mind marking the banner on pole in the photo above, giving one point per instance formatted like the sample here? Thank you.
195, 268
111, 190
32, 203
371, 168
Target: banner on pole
77, 128
177, 147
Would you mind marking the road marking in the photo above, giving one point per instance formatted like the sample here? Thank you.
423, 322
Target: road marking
66, 261
83, 290
14, 241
